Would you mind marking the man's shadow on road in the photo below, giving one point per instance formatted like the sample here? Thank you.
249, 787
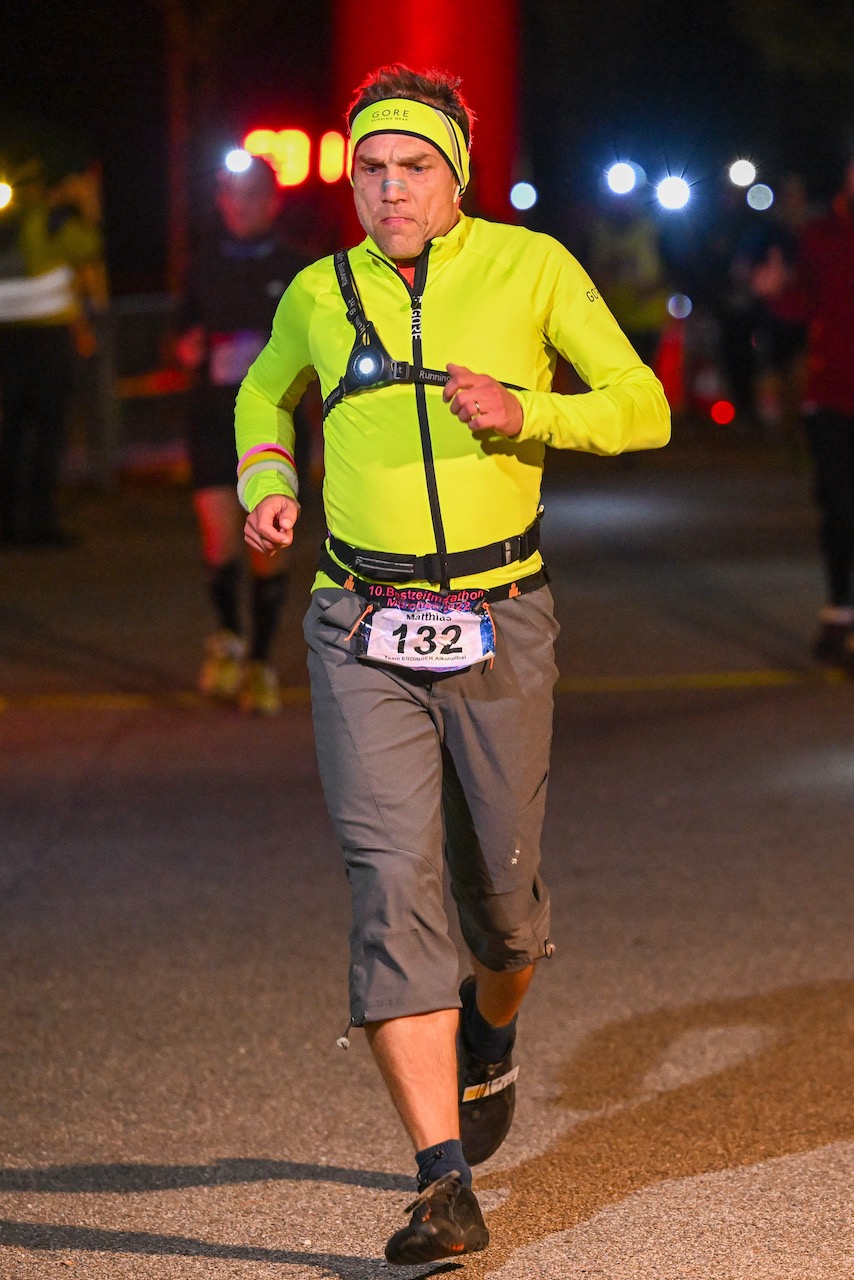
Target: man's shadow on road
31, 1235
128, 1179
131, 1179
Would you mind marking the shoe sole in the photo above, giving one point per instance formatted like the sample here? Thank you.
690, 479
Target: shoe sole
485, 1124
421, 1247
485, 1120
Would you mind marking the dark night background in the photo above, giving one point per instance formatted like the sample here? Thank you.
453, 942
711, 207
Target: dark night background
670, 84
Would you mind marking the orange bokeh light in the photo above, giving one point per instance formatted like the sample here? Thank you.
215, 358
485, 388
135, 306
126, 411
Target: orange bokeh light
287, 151
333, 150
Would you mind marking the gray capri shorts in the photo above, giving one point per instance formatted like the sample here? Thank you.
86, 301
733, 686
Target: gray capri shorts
416, 774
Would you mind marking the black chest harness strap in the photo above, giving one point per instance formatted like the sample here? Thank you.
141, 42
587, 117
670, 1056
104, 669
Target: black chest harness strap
369, 365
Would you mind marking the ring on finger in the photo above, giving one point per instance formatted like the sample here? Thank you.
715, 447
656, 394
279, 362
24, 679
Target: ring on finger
477, 410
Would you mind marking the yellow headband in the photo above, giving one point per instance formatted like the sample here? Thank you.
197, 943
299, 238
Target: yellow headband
400, 115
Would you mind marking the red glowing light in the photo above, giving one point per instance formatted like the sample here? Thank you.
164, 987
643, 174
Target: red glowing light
722, 412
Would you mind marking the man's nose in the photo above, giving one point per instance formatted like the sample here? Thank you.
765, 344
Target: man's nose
393, 188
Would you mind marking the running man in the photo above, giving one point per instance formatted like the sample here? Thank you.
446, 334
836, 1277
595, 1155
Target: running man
431, 627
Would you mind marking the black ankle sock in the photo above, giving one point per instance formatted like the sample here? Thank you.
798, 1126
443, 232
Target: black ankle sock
486, 1042
224, 589
445, 1157
268, 598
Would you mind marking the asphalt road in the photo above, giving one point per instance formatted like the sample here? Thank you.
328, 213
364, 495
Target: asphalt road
173, 915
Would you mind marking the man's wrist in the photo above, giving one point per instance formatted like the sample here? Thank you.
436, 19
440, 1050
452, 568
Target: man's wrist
266, 469
264, 484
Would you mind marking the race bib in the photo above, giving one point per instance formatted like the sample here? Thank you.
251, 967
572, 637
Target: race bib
232, 354
426, 631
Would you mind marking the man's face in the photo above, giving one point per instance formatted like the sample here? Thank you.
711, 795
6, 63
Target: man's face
405, 193
248, 204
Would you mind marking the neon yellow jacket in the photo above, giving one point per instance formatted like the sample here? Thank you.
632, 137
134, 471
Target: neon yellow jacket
499, 299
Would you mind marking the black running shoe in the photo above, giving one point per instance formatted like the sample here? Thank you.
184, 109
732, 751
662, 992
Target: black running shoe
487, 1092
446, 1222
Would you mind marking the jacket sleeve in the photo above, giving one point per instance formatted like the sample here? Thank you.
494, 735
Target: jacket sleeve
268, 395
79, 241
626, 408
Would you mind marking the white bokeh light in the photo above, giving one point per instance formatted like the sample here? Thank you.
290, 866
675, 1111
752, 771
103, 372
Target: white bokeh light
760, 197
523, 195
673, 192
680, 306
742, 173
621, 178
238, 160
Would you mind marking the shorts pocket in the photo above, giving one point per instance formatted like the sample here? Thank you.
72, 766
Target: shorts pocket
331, 617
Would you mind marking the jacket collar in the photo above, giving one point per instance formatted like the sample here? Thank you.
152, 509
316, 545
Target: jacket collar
442, 248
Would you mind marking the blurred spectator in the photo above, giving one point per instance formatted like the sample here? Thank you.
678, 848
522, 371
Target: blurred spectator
95, 398
779, 341
819, 291
761, 352
624, 258
50, 244
727, 259
233, 289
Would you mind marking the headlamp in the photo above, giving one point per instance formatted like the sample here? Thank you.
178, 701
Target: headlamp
237, 160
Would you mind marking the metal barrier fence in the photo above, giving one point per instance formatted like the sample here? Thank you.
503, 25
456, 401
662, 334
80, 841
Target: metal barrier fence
129, 405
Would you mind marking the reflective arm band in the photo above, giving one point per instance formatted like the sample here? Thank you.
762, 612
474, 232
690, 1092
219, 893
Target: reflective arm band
37, 297
266, 457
